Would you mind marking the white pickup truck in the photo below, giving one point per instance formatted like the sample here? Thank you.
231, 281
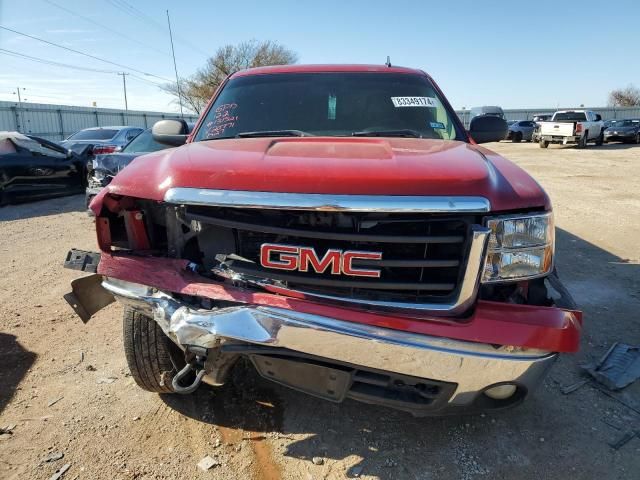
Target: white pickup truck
572, 126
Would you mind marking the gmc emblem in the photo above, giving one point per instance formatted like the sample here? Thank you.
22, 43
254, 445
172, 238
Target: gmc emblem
304, 259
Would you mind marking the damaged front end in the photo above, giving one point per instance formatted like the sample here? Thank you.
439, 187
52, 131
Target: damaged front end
424, 339
102, 169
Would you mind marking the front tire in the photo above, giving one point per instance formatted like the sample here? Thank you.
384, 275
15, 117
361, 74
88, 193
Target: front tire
543, 144
517, 137
151, 356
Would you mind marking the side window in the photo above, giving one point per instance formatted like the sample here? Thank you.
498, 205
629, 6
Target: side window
131, 134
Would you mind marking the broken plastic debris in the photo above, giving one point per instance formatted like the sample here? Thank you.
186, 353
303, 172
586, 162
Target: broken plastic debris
53, 457
207, 462
7, 429
619, 367
59, 473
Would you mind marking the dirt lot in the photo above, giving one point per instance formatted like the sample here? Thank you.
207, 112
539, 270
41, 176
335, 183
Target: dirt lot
66, 388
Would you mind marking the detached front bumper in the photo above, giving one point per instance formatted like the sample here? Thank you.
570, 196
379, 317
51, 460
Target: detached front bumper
458, 359
472, 367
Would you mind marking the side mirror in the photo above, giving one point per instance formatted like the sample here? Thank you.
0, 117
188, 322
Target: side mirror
488, 128
170, 132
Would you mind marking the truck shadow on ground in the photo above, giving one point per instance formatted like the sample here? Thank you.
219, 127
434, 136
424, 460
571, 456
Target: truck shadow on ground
591, 146
15, 362
53, 206
384, 443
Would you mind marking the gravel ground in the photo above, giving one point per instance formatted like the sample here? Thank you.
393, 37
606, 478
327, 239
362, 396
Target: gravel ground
66, 388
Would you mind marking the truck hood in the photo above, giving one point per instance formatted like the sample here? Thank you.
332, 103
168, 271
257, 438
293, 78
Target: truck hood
334, 165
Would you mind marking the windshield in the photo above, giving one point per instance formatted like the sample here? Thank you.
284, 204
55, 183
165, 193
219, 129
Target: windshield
329, 104
94, 134
570, 117
144, 143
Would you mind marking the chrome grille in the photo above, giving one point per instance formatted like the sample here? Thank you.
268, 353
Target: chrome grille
423, 254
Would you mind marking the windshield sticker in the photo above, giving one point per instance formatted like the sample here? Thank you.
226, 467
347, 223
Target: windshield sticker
414, 102
439, 125
331, 107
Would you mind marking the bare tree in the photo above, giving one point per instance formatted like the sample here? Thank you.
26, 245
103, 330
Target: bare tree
625, 97
198, 89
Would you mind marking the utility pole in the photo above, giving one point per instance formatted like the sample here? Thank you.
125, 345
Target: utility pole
20, 114
124, 84
175, 66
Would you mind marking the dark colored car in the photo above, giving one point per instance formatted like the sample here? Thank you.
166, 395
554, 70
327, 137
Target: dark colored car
32, 168
102, 139
627, 131
106, 166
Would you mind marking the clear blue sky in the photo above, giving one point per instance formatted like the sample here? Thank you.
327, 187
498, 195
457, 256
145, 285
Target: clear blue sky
516, 54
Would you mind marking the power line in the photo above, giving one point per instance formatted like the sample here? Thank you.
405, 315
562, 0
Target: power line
51, 62
74, 67
83, 53
93, 22
134, 12
130, 10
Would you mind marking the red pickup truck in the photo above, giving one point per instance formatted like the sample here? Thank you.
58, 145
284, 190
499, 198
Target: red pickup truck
338, 228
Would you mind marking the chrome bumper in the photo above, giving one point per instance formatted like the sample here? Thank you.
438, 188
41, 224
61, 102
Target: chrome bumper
472, 366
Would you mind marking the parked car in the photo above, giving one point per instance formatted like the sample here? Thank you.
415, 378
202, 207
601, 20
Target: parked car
572, 126
101, 139
537, 118
521, 130
627, 131
486, 110
33, 168
370, 251
542, 117
106, 166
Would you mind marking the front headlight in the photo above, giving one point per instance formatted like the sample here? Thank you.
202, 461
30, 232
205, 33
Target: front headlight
520, 247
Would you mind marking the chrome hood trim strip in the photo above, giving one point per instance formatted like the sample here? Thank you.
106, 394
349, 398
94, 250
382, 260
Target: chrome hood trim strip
327, 202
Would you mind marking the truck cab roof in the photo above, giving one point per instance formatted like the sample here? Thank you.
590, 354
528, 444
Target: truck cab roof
320, 68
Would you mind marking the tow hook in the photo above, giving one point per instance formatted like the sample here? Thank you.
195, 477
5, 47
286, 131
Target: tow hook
195, 358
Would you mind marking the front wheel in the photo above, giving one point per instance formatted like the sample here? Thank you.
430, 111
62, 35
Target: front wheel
152, 358
517, 137
638, 138
543, 144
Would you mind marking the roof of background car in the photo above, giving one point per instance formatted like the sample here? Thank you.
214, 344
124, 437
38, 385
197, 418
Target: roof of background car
325, 68
115, 127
